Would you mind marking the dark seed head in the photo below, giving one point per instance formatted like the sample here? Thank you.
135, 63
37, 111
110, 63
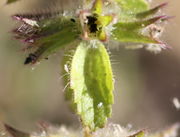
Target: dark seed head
91, 20
92, 24
30, 59
73, 20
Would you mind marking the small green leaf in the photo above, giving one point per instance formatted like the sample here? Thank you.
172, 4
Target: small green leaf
46, 36
136, 24
132, 36
149, 12
11, 1
131, 7
105, 20
97, 7
133, 31
138, 134
52, 43
91, 80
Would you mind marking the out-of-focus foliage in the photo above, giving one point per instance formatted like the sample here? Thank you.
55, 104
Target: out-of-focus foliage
11, 1
111, 130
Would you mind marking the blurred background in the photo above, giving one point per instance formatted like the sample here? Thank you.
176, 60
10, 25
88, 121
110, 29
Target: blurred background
145, 87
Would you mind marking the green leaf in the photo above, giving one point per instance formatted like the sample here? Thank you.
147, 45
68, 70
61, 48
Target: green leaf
91, 82
11, 1
47, 36
132, 37
136, 24
150, 12
97, 7
134, 6
105, 20
138, 134
130, 7
132, 32
48, 45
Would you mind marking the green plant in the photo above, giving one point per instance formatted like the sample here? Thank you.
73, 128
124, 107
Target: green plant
90, 80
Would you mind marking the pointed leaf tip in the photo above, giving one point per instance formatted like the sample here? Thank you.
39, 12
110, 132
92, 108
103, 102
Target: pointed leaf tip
152, 11
167, 18
140, 133
162, 5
